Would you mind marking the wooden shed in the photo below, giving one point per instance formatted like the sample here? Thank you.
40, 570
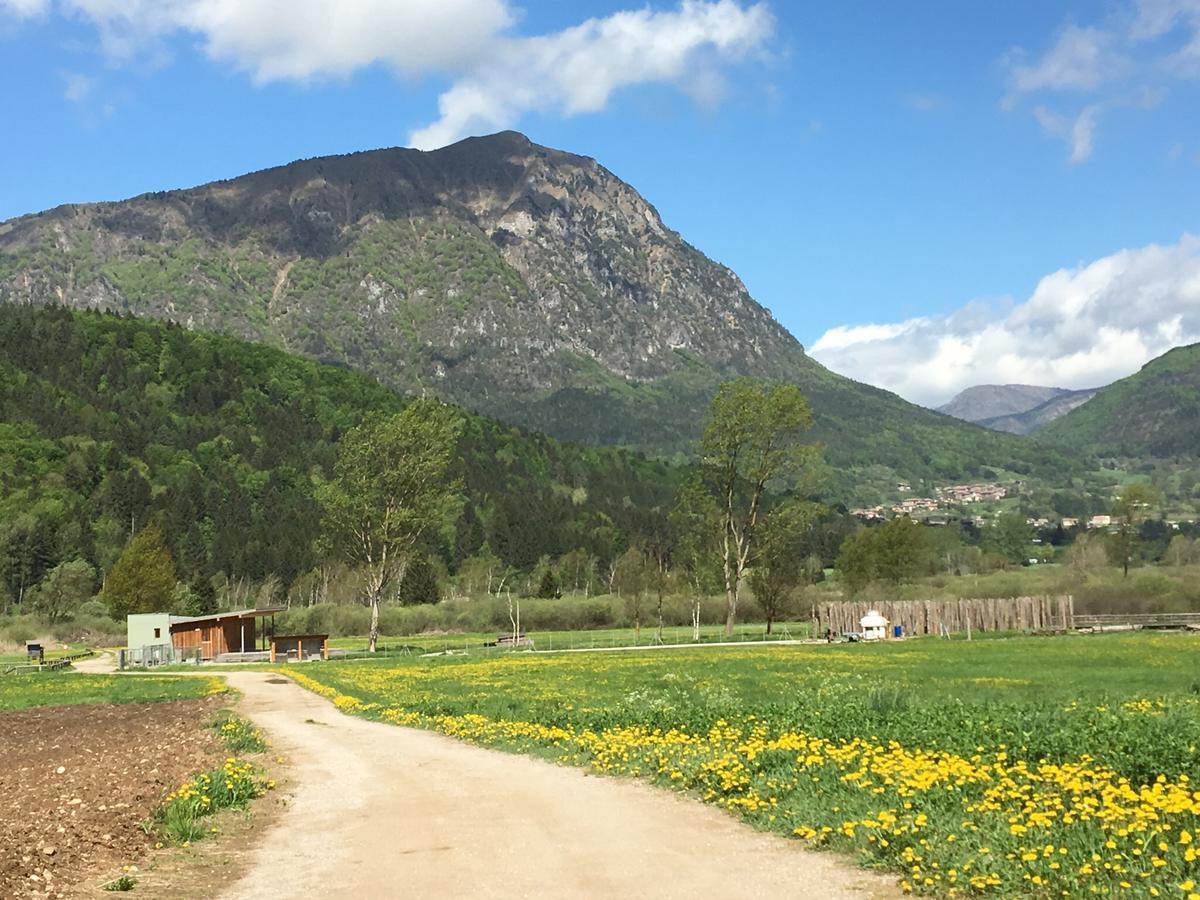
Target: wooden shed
238, 631
299, 647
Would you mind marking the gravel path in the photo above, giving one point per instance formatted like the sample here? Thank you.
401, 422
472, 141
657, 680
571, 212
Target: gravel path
383, 811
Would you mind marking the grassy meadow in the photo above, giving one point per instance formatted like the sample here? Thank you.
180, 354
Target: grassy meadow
1029, 766
67, 688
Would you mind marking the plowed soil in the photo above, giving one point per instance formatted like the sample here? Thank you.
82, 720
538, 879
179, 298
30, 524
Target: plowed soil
76, 782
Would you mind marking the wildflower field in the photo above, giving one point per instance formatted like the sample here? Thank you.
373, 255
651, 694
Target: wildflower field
1032, 766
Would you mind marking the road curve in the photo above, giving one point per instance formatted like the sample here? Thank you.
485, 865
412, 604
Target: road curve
380, 811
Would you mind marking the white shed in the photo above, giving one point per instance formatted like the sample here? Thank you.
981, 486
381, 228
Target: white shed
874, 626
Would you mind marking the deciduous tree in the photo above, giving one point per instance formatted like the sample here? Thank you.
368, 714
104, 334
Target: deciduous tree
631, 577
751, 439
1131, 507
64, 588
390, 485
781, 567
895, 552
1009, 536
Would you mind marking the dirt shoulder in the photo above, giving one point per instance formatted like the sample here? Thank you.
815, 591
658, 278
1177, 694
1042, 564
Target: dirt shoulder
383, 811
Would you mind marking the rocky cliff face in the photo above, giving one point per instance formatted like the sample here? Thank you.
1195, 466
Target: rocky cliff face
494, 264
520, 281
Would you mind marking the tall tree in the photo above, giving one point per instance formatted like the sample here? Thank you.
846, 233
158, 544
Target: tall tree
895, 552
750, 441
1131, 507
390, 486
694, 520
420, 582
631, 576
781, 567
143, 579
1009, 536
63, 589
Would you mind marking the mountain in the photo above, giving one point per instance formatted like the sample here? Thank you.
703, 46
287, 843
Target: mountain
109, 423
1154, 412
522, 282
1033, 420
991, 401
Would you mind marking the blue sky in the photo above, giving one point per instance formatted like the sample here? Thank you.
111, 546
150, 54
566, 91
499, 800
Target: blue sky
927, 195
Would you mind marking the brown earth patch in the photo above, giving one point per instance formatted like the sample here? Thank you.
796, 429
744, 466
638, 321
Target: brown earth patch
78, 781
201, 871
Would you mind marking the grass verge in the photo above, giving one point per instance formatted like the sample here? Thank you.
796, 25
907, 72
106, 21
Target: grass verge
68, 688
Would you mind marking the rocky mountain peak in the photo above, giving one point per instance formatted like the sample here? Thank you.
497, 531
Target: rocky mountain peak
524, 282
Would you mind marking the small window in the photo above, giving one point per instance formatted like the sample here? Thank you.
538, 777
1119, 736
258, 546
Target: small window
158, 632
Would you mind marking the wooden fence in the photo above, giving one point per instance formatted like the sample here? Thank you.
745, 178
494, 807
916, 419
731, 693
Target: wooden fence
48, 665
936, 616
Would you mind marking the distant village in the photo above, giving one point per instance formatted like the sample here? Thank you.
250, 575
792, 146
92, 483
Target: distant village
948, 498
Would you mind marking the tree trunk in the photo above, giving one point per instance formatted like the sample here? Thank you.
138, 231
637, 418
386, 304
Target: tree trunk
373, 638
770, 621
731, 602
658, 633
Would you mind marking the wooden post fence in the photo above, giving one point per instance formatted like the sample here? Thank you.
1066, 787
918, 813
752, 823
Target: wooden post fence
1043, 613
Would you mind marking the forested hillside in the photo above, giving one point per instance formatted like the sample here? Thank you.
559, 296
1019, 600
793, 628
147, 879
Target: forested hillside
519, 281
1155, 412
110, 423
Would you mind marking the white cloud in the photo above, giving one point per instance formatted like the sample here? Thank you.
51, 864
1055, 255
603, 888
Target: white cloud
1078, 133
77, 88
496, 75
576, 70
1082, 327
1081, 59
302, 39
24, 9
1121, 62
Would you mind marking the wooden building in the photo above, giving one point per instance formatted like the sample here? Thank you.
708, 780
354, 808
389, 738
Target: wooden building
210, 637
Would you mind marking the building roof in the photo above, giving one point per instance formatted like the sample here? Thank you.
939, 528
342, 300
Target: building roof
230, 614
873, 620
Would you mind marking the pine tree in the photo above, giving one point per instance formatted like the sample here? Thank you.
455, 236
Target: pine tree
419, 584
548, 588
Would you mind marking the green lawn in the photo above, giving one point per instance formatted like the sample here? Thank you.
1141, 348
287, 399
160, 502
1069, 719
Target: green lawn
583, 639
66, 688
954, 764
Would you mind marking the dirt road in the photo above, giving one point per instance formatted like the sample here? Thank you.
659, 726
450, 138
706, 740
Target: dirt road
382, 811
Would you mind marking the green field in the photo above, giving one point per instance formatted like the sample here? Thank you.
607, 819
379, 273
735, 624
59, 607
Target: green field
1029, 766
66, 688
593, 638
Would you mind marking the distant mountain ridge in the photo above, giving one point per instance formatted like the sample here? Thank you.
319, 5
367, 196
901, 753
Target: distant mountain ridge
1015, 408
1034, 420
990, 401
522, 282
1154, 412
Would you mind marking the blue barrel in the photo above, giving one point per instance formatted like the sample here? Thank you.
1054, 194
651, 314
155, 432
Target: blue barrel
897, 631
